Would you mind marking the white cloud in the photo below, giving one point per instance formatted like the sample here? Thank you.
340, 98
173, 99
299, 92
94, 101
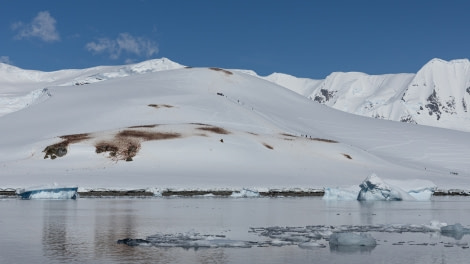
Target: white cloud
5, 59
42, 27
125, 42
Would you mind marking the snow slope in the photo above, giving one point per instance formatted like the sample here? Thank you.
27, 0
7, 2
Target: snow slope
21, 88
437, 95
212, 129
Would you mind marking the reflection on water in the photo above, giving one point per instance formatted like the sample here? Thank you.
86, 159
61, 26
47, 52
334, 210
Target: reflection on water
54, 238
113, 220
87, 230
351, 249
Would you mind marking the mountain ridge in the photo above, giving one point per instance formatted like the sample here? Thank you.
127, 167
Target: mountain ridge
437, 95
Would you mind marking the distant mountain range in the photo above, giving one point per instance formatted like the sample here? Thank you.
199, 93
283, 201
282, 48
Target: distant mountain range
437, 95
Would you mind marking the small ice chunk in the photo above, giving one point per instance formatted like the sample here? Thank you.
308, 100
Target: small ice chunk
435, 225
157, 192
311, 244
352, 239
245, 193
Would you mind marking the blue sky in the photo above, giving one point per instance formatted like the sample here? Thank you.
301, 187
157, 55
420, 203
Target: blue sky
303, 38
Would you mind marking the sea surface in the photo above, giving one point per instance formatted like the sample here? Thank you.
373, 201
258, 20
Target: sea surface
230, 230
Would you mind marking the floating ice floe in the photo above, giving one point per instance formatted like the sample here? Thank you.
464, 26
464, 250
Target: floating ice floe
456, 231
351, 240
48, 192
345, 238
374, 188
187, 240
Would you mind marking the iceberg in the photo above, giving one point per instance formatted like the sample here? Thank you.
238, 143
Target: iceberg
48, 192
374, 188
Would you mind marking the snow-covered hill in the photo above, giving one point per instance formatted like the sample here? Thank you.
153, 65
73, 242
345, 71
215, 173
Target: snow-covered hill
437, 95
140, 126
20, 88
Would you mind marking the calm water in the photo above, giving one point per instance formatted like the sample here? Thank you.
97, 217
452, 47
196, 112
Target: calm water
87, 230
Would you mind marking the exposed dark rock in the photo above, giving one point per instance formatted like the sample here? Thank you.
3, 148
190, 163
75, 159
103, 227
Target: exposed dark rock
221, 70
214, 129
449, 106
268, 146
160, 106
324, 140
325, 96
433, 105
407, 119
404, 94
56, 150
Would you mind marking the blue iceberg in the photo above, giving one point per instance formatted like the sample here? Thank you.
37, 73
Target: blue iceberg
375, 189
48, 192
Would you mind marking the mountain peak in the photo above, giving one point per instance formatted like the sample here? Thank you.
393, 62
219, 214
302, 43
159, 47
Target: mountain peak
153, 65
